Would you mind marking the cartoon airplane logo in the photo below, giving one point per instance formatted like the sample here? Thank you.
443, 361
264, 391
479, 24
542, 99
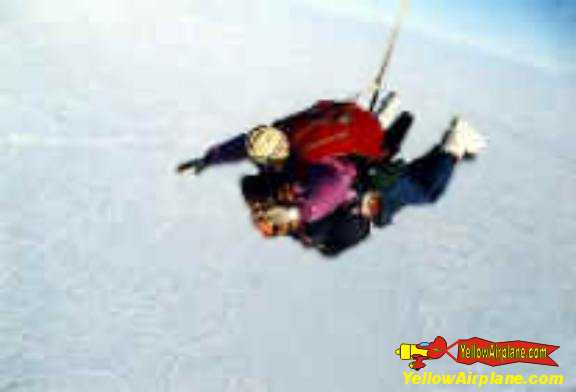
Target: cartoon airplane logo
422, 351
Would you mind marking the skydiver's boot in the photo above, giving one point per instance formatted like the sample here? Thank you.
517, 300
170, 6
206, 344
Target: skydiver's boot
462, 141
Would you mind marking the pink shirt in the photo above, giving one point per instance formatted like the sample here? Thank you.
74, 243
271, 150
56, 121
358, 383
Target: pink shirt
329, 187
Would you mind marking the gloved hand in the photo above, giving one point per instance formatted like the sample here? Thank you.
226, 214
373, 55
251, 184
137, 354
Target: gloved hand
197, 165
277, 220
281, 215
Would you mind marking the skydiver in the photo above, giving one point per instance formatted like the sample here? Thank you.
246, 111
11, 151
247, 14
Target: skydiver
311, 150
381, 189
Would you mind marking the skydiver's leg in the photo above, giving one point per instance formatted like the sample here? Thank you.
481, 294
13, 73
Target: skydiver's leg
431, 173
395, 125
423, 181
397, 132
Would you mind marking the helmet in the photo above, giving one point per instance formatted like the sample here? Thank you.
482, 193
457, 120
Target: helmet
266, 145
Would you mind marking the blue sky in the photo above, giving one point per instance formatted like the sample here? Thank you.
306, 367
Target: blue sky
538, 32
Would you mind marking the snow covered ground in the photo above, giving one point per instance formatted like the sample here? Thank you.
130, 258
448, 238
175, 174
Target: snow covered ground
117, 275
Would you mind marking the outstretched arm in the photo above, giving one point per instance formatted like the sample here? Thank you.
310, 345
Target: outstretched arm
232, 150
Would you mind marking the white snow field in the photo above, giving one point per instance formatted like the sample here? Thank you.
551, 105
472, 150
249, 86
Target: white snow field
117, 275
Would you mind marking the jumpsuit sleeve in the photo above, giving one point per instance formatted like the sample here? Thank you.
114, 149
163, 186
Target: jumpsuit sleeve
329, 187
232, 150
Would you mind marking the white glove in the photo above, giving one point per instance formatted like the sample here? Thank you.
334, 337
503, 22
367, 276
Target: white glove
461, 139
280, 216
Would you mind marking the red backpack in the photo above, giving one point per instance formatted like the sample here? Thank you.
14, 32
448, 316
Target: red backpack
331, 129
